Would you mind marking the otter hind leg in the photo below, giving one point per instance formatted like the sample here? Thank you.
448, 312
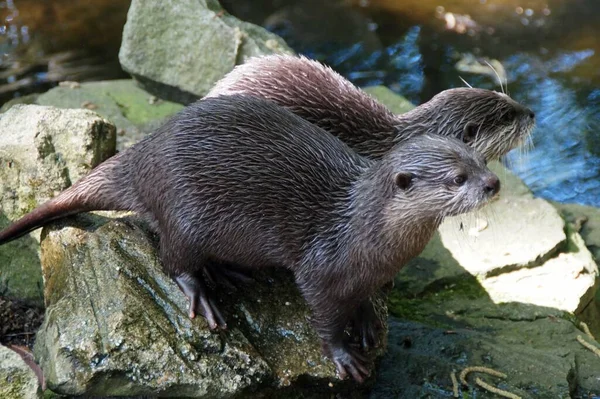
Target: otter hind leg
227, 275
200, 300
184, 261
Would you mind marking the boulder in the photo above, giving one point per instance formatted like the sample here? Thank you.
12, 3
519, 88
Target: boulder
193, 44
535, 347
17, 380
123, 102
117, 325
42, 151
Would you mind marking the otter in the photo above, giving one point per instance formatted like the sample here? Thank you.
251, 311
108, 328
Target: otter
491, 122
241, 181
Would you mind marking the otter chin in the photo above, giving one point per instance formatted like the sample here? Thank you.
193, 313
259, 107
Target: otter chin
241, 181
491, 122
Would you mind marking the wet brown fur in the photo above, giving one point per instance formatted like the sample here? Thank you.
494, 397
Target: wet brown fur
240, 180
491, 122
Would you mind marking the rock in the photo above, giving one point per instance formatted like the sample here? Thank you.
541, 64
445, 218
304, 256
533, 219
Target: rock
397, 104
17, 380
196, 45
586, 221
116, 325
42, 151
122, 102
27, 100
535, 347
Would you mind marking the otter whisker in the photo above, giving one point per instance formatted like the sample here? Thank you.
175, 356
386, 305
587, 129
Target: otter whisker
497, 75
465, 82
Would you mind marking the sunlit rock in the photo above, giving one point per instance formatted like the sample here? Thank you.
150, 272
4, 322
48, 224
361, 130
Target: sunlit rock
43, 150
178, 49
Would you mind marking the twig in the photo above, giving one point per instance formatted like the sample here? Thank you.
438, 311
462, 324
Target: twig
495, 390
588, 345
479, 369
454, 384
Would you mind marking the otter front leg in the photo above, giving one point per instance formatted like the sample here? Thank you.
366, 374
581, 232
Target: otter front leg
330, 318
366, 325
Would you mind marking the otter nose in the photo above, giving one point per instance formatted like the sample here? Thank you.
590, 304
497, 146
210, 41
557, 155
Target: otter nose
491, 185
529, 112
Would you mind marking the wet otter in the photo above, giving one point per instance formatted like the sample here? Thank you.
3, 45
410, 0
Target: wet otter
491, 122
243, 181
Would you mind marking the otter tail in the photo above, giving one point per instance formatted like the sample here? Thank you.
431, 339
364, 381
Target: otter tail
100, 190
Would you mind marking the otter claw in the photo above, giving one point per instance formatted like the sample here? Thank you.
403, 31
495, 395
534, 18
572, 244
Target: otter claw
350, 362
194, 290
212, 314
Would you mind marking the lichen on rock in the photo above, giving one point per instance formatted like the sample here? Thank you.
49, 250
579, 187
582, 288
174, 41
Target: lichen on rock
17, 380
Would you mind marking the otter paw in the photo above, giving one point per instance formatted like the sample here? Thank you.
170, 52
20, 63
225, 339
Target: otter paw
194, 289
348, 361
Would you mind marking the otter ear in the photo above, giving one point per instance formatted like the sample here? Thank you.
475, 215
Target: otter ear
470, 132
403, 180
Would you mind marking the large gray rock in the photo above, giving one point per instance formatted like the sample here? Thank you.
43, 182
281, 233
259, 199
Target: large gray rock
193, 44
116, 325
43, 150
17, 380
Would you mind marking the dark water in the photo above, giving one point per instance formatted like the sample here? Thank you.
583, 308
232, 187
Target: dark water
550, 51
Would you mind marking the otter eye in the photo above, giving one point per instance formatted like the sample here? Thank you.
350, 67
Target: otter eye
403, 180
460, 180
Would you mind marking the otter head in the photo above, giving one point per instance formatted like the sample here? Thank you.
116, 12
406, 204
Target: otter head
439, 176
491, 122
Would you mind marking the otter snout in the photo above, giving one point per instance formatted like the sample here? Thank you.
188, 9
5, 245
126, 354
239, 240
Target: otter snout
526, 111
529, 112
491, 185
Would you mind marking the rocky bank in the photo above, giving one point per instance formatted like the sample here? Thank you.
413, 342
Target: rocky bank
504, 288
